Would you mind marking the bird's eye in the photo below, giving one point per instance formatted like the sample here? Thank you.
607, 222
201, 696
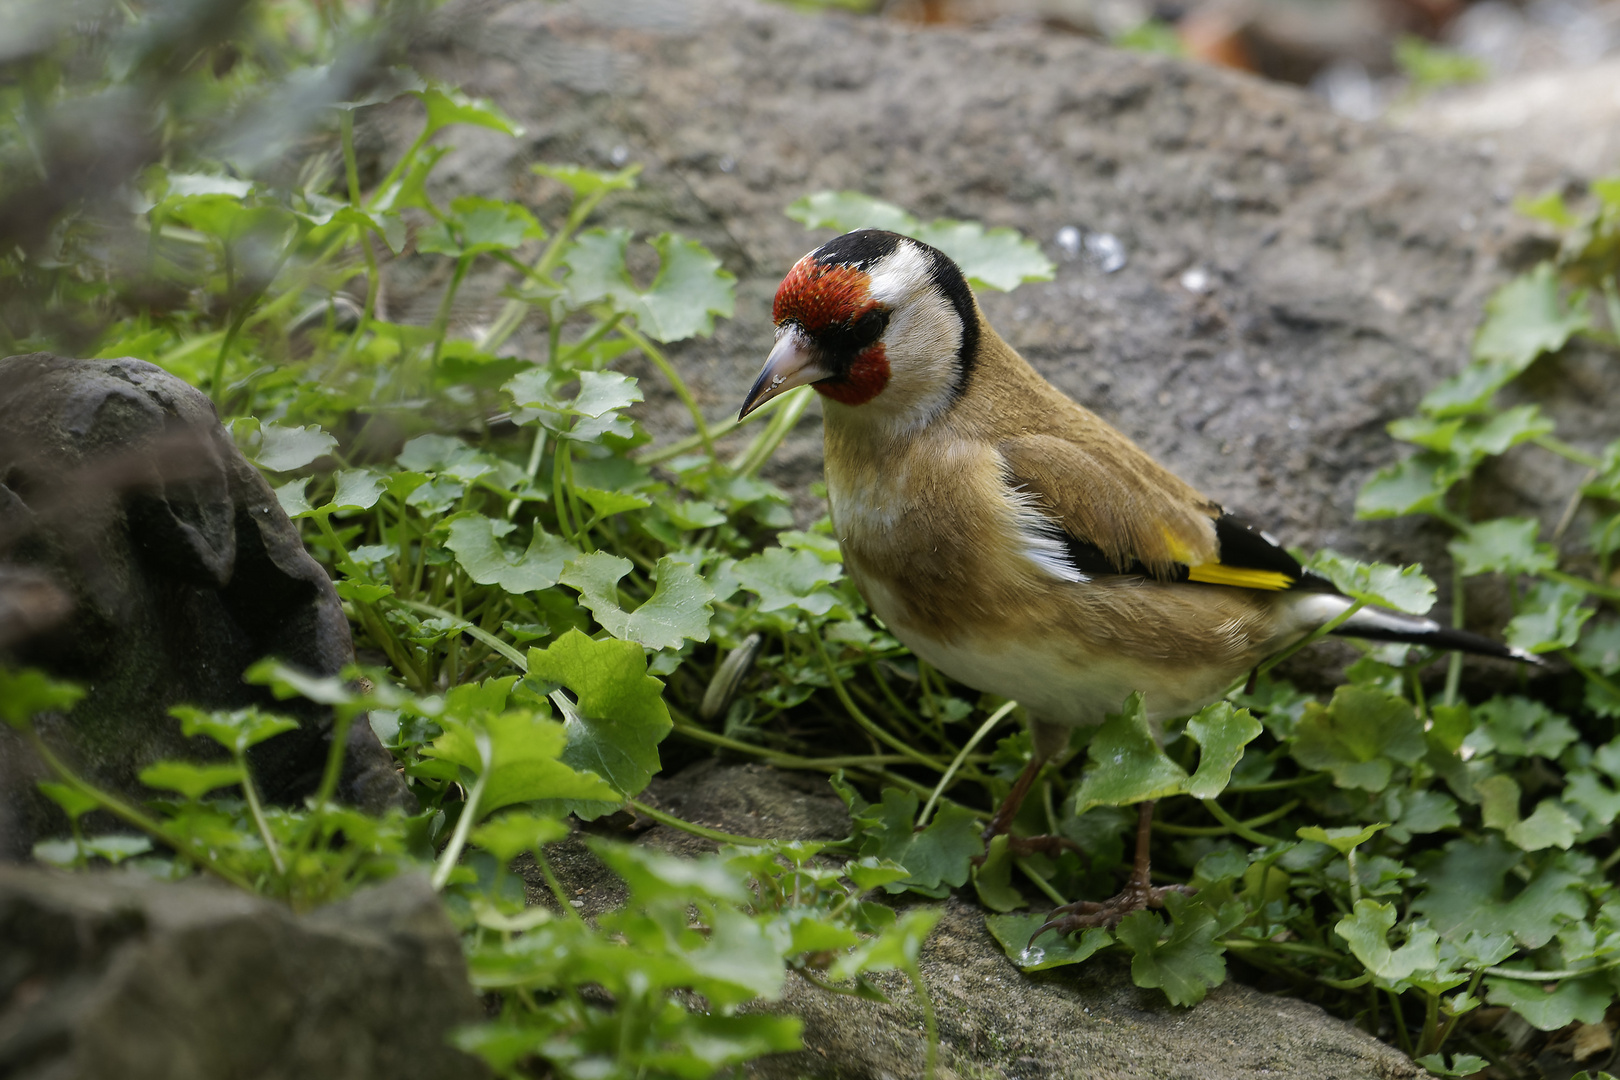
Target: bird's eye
868, 328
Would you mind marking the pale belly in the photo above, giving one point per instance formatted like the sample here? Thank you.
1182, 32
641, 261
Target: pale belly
1056, 680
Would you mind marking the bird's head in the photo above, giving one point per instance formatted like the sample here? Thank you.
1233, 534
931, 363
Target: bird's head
878, 323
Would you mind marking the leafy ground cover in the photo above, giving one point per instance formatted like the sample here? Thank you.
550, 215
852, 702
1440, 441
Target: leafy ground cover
549, 598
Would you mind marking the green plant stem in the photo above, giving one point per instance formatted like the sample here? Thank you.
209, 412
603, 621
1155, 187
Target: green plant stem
1221, 830
700, 830
717, 430
1590, 673
469, 813
676, 383
862, 719
783, 421
1454, 663
930, 1022
556, 887
1607, 592
122, 810
250, 792
1564, 450
1550, 976
1219, 813
1428, 1042
1040, 882
1400, 1022
1353, 876
956, 763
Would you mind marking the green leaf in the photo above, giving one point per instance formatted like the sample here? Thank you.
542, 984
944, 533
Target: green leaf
1550, 618
446, 106
115, 847
992, 879
1549, 825
678, 610
28, 692
1405, 588
1527, 317
1586, 790
1221, 733
1343, 839
191, 781
604, 391
1416, 485
585, 182
489, 562
74, 803
1500, 433
895, 947
282, 449
1467, 889
618, 717
850, 210
236, 729
689, 290
1519, 727
1366, 931
491, 225
1186, 961
1585, 999
1503, 545
989, 258
1359, 736
1125, 764
1013, 933
936, 858
510, 835
357, 489
789, 579
1461, 1064
521, 754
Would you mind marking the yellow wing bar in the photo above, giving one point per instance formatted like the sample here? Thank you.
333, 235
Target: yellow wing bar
1217, 574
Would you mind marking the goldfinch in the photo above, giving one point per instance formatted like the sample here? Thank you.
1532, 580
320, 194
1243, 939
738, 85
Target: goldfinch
1014, 540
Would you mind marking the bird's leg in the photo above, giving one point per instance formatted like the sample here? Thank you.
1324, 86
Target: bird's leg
1002, 820
1139, 891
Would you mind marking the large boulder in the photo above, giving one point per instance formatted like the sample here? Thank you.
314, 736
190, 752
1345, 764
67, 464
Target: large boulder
149, 561
117, 975
1292, 279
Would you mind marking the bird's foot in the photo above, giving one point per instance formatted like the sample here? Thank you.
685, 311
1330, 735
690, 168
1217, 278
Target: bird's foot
1084, 914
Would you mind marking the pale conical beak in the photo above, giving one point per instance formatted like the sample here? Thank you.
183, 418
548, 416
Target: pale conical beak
793, 362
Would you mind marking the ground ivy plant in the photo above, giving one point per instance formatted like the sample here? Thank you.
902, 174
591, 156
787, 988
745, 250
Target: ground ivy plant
545, 599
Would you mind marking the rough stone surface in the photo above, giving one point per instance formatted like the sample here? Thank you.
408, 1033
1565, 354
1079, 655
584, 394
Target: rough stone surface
120, 490
1081, 1023
1556, 126
1340, 267
115, 975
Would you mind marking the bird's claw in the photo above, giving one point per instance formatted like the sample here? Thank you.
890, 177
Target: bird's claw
1085, 914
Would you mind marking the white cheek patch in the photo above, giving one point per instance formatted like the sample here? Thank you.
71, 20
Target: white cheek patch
922, 340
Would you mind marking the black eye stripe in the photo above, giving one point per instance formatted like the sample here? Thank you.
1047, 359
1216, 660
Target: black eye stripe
843, 340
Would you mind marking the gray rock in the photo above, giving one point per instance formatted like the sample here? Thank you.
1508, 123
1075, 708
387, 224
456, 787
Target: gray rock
1081, 1023
1293, 279
123, 500
115, 975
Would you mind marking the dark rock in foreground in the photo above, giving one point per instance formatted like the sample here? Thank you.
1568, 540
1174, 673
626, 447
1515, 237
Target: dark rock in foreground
151, 563
114, 975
